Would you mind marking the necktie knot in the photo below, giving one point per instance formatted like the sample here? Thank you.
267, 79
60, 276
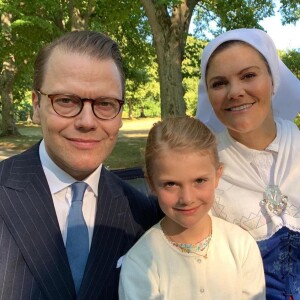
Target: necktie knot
78, 189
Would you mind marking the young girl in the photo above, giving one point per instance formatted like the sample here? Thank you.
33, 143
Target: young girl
189, 254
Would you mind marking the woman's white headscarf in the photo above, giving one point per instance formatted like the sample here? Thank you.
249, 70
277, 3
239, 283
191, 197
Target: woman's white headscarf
286, 99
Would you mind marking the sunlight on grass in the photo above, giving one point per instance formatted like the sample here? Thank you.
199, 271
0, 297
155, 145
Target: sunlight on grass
138, 124
128, 151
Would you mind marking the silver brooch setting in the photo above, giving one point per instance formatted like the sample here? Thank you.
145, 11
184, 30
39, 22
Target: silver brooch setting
274, 200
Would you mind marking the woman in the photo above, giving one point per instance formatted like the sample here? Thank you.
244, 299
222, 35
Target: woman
247, 94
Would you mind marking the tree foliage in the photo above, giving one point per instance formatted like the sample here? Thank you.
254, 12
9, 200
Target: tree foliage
33, 23
161, 59
290, 11
216, 17
191, 72
24, 27
170, 21
291, 59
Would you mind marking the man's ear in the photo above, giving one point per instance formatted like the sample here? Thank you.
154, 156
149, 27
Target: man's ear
36, 108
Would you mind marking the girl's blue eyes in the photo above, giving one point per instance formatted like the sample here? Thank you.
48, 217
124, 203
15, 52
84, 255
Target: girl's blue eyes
169, 184
174, 184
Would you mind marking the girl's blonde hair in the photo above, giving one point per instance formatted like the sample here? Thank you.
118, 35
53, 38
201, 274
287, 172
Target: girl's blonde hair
182, 134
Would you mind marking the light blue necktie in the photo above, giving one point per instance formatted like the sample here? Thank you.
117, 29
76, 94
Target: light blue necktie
77, 235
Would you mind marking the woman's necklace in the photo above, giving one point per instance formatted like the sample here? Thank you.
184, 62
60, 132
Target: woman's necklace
200, 248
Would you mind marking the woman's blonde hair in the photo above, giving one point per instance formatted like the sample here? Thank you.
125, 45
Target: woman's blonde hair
182, 134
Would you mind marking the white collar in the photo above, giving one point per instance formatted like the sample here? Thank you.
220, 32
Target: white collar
58, 179
248, 153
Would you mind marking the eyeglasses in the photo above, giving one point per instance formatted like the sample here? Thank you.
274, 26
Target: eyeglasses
69, 106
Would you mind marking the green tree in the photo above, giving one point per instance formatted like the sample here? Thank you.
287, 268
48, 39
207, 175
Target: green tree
149, 93
290, 11
132, 96
7, 77
291, 59
170, 21
191, 72
27, 25
215, 17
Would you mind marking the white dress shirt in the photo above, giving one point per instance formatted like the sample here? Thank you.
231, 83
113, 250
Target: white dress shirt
60, 186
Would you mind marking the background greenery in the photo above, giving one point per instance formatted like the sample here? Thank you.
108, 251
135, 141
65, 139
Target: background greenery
161, 57
128, 151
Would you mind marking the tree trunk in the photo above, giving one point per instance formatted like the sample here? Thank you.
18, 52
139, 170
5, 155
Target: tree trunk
170, 77
169, 34
7, 78
9, 127
80, 20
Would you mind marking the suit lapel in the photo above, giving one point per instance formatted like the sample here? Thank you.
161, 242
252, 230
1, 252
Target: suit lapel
29, 213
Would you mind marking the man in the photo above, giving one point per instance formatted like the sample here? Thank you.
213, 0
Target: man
77, 97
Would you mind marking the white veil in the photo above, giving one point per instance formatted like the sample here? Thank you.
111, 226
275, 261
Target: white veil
286, 99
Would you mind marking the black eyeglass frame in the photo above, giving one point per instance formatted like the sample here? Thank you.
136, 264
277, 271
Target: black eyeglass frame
82, 100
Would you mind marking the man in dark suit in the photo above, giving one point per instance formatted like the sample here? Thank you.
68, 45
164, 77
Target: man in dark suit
77, 97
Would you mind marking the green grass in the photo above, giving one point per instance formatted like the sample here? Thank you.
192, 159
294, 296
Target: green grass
130, 146
127, 153
30, 134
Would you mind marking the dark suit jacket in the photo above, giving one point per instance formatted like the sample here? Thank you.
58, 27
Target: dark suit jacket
33, 259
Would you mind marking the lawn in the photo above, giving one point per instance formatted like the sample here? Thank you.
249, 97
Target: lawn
128, 151
131, 144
